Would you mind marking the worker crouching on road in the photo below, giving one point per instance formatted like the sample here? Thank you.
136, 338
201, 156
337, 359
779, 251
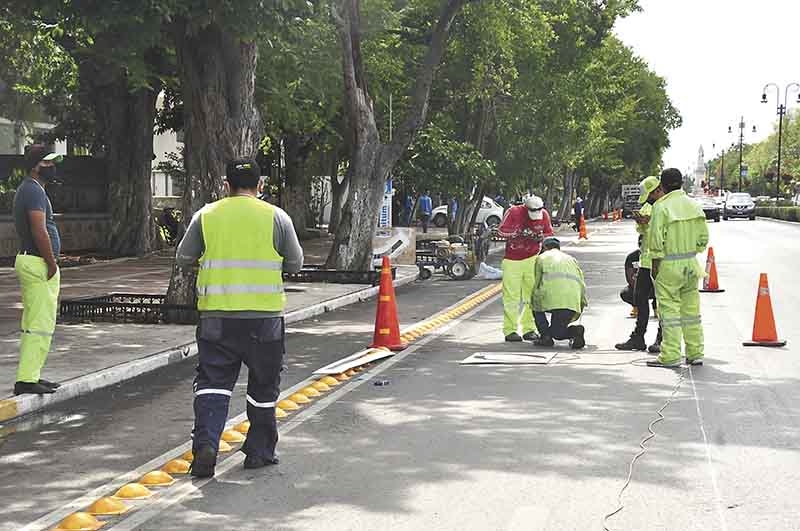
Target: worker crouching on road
524, 227
243, 245
677, 233
560, 291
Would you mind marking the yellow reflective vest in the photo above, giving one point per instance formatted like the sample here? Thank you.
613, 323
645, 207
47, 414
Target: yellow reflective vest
645, 260
559, 283
240, 270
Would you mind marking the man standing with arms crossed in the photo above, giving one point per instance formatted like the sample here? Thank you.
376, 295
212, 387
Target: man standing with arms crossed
524, 227
677, 233
37, 270
243, 245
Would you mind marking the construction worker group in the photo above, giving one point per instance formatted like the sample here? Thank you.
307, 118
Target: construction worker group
539, 278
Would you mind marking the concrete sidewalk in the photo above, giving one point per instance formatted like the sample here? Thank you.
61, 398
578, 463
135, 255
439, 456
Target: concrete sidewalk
88, 356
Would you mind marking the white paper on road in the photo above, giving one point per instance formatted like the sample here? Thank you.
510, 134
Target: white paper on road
506, 358
356, 360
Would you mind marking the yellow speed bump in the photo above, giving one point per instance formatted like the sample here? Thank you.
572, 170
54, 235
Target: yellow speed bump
242, 427
280, 414
342, 377
232, 436
329, 380
176, 466
188, 456
321, 386
309, 391
133, 491
297, 398
288, 405
350, 372
157, 478
225, 447
79, 522
107, 506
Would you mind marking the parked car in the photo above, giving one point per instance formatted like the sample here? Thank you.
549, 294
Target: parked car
796, 200
490, 213
710, 207
739, 205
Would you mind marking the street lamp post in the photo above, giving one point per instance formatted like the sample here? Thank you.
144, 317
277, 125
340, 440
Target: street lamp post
722, 167
782, 108
741, 148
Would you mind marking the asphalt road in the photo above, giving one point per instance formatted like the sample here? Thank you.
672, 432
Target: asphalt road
446, 446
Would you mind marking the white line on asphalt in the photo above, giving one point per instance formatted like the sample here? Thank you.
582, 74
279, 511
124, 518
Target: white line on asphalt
54, 517
185, 489
709, 460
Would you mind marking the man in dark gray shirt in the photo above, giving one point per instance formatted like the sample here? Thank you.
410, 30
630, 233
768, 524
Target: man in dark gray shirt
37, 270
243, 245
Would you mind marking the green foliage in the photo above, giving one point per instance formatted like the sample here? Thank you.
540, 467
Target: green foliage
786, 213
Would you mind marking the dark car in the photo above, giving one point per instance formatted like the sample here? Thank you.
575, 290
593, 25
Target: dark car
710, 207
739, 205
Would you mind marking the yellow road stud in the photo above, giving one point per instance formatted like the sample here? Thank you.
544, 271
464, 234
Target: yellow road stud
288, 405
225, 447
310, 392
350, 372
297, 398
79, 522
107, 506
243, 427
133, 491
176, 466
232, 436
329, 380
188, 456
280, 414
157, 478
342, 377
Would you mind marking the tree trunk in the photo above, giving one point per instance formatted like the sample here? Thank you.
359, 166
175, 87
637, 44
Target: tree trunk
296, 193
370, 160
569, 183
126, 119
217, 76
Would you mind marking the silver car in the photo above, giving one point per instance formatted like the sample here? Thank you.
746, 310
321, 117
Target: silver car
739, 205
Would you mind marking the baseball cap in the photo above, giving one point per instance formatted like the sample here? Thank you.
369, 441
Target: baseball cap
243, 173
36, 153
646, 187
534, 204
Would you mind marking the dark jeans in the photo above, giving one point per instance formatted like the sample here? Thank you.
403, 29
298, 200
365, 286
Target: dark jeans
643, 293
558, 327
426, 218
223, 344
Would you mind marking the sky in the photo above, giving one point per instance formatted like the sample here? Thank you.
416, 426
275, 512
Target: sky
716, 56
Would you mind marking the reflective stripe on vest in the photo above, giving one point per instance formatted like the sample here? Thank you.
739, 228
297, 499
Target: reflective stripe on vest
683, 256
240, 269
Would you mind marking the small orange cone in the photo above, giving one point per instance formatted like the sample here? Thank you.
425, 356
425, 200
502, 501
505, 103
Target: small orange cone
711, 283
387, 326
582, 229
764, 332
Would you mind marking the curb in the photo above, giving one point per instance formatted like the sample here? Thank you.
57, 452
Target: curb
775, 220
15, 407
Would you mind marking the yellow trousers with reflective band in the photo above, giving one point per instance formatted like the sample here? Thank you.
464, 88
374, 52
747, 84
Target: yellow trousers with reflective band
679, 309
39, 308
519, 278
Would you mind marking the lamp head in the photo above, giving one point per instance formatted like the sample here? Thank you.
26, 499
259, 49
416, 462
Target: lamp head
764, 98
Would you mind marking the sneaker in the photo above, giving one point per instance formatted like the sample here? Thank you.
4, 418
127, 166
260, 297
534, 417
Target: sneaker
513, 337
694, 361
578, 341
544, 341
30, 388
253, 461
530, 336
655, 348
633, 343
48, 383
668, 365
205, 459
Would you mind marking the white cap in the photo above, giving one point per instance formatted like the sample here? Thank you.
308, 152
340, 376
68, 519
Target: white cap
534, 204
578, 200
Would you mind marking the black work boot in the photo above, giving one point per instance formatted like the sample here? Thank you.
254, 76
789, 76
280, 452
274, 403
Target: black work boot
655, 348
530, 336
205, 459
254, 461
48, 383
544, 341
633, 343
578, 341
513, 337
32, 388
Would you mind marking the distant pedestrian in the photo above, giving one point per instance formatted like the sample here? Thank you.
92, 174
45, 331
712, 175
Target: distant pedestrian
577, 212
37, 270
408, 210
425, 210
243, 245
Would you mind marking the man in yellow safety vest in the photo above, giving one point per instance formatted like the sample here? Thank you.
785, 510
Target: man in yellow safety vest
243, 245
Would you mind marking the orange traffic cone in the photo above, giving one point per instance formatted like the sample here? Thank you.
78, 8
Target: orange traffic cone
711, 283
764, 332
387, 326
582, 230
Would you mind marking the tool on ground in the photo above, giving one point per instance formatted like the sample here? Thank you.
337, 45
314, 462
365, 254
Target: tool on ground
387, 325
711, 282
764, 331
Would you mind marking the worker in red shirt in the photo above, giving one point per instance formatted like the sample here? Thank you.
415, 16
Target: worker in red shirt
524, 227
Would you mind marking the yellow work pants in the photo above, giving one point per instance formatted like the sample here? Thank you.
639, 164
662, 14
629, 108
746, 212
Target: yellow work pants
519, 278
39, 307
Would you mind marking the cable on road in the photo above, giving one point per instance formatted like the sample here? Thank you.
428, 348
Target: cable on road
643, 446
